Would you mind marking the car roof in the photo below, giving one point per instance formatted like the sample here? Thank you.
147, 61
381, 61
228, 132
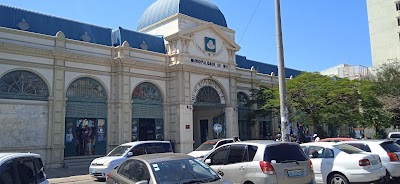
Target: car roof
6, 156
337, 139
142, 142
161, 157
378, 141
260, 142
325, 144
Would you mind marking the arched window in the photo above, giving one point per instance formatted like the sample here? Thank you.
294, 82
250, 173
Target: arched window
208, 95
24, 85
147, 91
86, 89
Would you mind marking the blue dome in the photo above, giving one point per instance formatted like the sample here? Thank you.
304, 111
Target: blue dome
200, 9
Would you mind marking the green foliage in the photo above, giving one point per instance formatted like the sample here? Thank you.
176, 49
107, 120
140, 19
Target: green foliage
387, 83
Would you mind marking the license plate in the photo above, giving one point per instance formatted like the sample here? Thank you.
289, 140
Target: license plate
295, 173
374, 162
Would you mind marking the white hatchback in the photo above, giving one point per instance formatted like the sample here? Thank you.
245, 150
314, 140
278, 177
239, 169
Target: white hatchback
388, 151
100, 167
343, 164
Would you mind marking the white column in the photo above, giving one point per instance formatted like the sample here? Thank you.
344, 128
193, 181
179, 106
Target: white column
232, 126
185, 129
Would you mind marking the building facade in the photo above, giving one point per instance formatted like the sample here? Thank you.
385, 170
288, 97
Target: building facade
384, 30
73, 89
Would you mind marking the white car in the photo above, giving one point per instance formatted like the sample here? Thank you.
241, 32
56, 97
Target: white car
388, 151
29, 168
100, 167
394, 135
343, 164
209, 145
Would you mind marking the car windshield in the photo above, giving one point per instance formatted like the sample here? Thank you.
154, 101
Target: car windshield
119, 151
284, 152
348, 148
206, 146
183, 171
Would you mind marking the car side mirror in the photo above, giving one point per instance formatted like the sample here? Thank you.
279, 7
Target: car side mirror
208, 161
130, 154
142, 182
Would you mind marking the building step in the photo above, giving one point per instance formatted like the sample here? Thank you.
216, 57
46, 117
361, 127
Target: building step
79, 161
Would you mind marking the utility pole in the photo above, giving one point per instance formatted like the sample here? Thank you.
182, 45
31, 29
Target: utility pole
281, 72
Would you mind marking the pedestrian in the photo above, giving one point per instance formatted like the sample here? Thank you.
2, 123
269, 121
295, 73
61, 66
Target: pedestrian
316, 138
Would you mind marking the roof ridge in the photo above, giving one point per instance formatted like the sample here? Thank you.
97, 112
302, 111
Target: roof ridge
53, 16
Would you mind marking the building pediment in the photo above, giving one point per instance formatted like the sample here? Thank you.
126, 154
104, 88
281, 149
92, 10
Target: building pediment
189, 33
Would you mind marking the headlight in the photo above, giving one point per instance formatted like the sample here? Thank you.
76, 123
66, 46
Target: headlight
107, 163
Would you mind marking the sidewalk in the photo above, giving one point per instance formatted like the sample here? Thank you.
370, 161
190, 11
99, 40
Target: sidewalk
66, 172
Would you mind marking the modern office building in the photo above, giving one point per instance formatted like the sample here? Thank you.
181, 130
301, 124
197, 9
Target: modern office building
384, 30
72, 89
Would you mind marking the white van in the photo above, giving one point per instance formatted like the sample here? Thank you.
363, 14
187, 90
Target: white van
100, 167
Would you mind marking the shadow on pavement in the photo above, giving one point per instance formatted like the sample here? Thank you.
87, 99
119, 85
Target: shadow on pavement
66, 172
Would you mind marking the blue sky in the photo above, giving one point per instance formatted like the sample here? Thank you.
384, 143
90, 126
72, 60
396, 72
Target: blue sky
317, 34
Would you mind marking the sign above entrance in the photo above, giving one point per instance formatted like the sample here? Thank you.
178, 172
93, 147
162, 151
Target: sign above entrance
217, 128
208, 63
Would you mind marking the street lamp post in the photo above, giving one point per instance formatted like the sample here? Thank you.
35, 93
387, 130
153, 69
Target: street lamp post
281, 72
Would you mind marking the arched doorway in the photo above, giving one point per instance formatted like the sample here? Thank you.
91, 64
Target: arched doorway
243, 116
208, 110
147, 113
85, 118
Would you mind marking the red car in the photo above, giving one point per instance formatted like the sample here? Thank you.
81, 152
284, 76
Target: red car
336, 139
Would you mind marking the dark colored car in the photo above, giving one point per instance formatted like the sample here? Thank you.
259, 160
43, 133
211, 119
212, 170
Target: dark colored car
164, 168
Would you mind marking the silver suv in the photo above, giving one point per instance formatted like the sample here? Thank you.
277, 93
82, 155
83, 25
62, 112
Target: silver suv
262, 162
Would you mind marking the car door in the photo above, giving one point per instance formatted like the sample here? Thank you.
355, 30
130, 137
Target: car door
26, 170
327, 163
218, 159
317, 154
236, 167
8, 172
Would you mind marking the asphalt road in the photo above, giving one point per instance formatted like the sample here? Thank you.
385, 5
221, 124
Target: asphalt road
80, 179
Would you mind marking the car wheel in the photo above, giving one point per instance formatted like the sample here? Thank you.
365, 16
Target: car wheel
338, 179
101, 179
387, 178
248, 182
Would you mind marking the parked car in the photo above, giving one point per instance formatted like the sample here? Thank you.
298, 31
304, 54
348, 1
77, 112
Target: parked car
343, 164
261, 161
388, 151
164, 168
394, 135
100, 167
22, 168
336, 139
209, 145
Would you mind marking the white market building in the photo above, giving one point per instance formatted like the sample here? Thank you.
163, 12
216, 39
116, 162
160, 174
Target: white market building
73, 89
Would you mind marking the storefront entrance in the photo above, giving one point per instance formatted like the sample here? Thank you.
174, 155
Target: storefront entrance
85, 136
147, 113
85, 119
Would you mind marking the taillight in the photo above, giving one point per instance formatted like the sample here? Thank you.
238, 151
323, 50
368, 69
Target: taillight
364, 162
311, 166
107, 176
393, 157
267, 168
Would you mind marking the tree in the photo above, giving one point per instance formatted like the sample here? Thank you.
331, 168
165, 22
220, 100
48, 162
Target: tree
387, 81
315, 99
371, 108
